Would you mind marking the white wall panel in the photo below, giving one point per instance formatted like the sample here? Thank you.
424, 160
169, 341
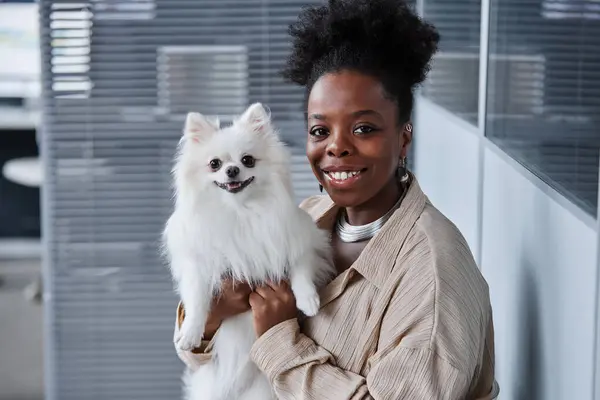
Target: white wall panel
446, 165
540, 262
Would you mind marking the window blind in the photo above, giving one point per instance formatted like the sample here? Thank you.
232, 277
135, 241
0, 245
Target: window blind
453, 81
118, 78
550, 121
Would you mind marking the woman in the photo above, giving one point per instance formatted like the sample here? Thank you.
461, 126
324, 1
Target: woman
408, 316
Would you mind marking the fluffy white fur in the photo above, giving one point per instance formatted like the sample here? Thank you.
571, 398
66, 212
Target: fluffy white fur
253, 235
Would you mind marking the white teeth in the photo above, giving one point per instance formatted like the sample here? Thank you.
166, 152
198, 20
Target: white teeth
342, 176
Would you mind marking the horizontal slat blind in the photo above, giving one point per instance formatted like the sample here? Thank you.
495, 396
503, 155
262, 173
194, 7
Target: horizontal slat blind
453, 81
118, 78
550, 121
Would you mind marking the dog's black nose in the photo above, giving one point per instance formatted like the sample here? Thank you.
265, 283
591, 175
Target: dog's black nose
232, 172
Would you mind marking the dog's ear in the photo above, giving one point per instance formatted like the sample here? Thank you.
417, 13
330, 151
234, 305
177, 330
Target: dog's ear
198, 126
257, 118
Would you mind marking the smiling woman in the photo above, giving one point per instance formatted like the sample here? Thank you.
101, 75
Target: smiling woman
354, 141
408, 315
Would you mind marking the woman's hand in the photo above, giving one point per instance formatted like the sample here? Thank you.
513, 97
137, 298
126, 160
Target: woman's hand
272, 304
233, 300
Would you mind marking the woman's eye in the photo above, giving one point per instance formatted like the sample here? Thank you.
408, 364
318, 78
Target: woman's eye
214, 164
248, 161
363, 129
318, 132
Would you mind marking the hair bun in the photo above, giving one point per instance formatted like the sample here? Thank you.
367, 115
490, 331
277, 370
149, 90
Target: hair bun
382, 35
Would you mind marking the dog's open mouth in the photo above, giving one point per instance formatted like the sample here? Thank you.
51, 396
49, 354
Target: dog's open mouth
235, 187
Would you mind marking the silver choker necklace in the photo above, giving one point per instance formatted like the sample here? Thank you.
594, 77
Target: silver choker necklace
356, 233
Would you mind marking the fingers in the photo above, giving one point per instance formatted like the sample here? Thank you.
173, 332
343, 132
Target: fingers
280, 292
272, 304
270, 292
256, 301
233, 289
230, 285
281, 286
265, 291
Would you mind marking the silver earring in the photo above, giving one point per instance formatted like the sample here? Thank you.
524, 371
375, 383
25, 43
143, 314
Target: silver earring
403, 171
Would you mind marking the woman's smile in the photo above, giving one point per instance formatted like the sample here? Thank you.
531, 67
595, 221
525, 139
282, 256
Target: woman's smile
343, 176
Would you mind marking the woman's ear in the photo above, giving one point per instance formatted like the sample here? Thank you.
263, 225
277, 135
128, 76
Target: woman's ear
405, 138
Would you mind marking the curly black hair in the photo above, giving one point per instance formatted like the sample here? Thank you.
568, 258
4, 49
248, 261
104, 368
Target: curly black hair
381, 38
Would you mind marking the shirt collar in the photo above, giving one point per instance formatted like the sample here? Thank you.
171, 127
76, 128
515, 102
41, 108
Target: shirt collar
378, 258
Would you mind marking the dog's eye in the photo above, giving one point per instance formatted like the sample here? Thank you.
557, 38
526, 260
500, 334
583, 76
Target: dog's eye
248, 161
215, 164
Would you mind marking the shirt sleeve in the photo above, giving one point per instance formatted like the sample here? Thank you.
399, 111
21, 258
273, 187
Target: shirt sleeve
196, 357
299, 369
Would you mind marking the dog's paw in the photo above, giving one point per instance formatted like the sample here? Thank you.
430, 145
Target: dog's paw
309, 304
189, 336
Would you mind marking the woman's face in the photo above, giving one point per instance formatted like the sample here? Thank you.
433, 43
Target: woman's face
354, 139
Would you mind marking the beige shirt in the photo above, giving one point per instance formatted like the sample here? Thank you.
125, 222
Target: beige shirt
410, 319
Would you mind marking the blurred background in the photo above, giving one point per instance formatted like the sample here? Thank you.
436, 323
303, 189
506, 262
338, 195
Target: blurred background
92, 99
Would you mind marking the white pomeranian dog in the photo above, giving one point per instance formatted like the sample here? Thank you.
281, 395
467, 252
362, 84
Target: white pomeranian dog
235, 216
